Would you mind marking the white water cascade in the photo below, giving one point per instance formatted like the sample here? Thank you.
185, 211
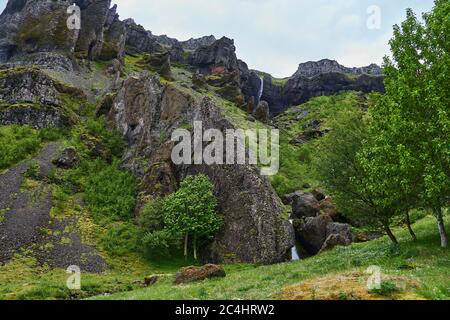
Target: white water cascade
295, 254
261, 91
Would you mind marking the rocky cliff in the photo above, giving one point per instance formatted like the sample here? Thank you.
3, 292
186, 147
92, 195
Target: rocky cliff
144, 110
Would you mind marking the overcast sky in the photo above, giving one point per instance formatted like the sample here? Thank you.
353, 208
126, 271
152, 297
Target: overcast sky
276, 35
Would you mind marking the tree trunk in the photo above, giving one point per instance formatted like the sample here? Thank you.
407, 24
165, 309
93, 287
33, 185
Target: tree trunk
410, 229
186, 240
441, 227
195, 247
389, 233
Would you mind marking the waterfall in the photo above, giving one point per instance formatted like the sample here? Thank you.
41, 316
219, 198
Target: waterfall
295, 254
261, 91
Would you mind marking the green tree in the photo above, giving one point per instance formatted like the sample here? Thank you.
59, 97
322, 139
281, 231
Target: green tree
191, 211
157, 240
341, 172
411, 123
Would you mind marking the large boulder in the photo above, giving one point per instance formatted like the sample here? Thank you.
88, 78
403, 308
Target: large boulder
36, 117
146, 112
329, 207
68, 159
312, 232
304, 204
338, 234
194, 274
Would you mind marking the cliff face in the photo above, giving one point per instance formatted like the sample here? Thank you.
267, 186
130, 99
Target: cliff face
312, 79
144, 110
315, 68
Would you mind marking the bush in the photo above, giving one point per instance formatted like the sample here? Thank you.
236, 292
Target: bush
110, 192
17, 143
152, 216
20, 142
121, 239
159, 243
111, 139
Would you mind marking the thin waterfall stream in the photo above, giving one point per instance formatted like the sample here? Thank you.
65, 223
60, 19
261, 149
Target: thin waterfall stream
295, 253
260, 93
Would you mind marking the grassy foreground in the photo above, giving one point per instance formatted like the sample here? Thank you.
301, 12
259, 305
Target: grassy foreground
412, 270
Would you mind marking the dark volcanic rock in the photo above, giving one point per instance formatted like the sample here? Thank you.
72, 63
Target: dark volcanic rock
194, 44
312, 233
115, 35
262, 112
36, 32
144, 111
220, 54
138, 39
159, 62
35, 28
304, 205
300, 89
250, 81
29, 96
93, 18
194, 274
314, 68
37, 117
338, 234
68, 159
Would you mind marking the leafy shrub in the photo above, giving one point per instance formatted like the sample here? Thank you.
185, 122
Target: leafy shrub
189, 212
110, 138
121, 239
159, 243
110, 192
152, 216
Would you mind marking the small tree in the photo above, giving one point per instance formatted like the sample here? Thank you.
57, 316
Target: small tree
342, 174
412, 124
191, 211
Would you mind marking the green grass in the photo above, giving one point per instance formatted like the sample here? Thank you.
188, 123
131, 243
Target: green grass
21, 142
427, 263
295, 161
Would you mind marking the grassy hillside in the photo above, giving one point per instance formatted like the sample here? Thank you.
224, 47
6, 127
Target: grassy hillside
295, 160
411, 270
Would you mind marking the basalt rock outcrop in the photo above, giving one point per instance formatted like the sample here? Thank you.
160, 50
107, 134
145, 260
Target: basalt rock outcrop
37, 33
314, 68
219, 55
146, 112
29, 96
